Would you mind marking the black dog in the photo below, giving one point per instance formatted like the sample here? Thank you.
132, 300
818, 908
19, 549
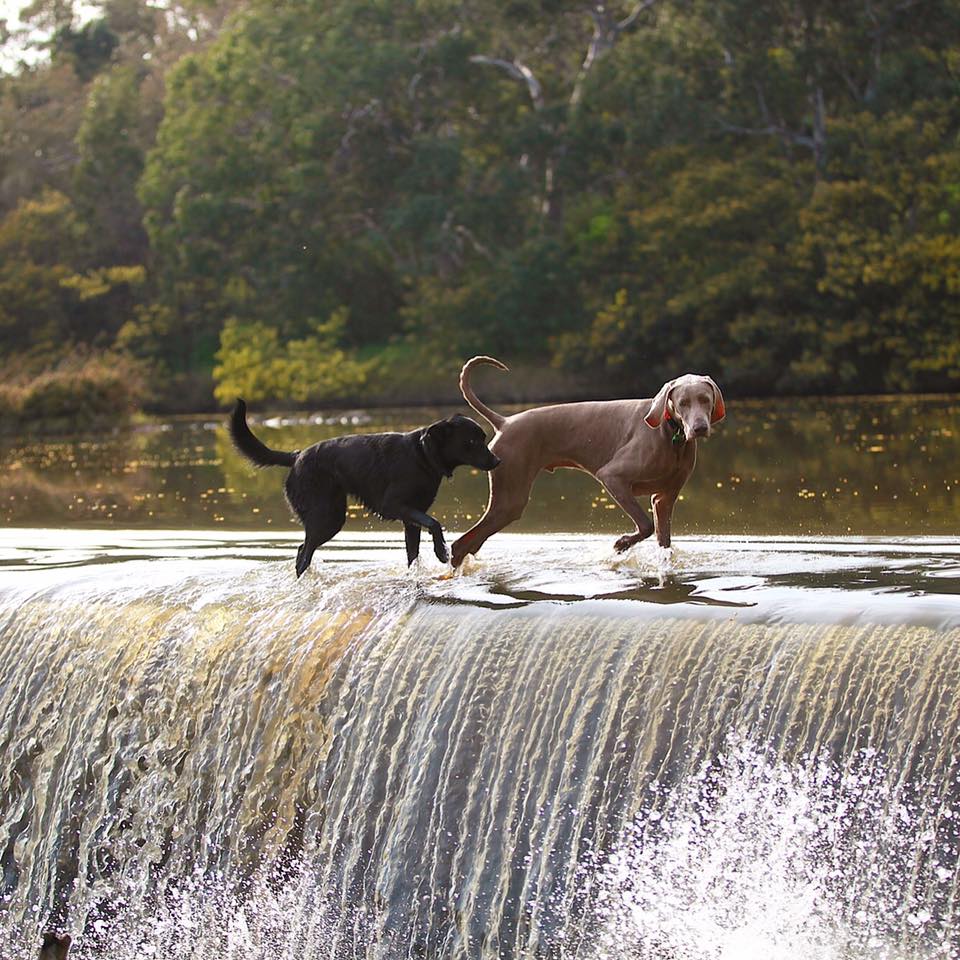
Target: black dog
395, 475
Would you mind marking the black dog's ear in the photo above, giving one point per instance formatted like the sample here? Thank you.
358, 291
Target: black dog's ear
432, 442
437, 431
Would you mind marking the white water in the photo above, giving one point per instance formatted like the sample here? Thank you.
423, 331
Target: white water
757, 859
729, 751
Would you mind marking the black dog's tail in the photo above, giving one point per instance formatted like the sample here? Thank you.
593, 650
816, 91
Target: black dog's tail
250, 446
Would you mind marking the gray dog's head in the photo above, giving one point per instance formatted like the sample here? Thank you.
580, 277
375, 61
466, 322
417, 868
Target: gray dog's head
693, 400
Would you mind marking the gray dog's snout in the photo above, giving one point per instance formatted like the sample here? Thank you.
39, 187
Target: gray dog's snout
701, 429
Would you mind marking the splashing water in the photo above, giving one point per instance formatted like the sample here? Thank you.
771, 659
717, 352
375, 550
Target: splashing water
552, 756
757, 859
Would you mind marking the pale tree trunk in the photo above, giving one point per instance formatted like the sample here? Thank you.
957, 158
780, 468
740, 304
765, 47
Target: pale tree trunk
607, 30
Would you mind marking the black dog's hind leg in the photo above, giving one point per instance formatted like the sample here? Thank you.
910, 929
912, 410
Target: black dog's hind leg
411, 533
321, 522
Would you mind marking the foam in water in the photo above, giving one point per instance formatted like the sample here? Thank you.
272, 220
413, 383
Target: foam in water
756, 859
214, 760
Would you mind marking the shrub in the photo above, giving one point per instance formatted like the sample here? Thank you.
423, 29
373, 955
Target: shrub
84, 392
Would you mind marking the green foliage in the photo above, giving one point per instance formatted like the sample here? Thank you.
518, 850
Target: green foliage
255, 364
49, 296
111, 142
37, 242
768, 192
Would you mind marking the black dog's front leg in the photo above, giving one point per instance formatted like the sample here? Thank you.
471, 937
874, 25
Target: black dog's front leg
420, 519
411, 533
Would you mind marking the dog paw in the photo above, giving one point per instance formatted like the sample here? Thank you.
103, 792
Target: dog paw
440, 549
626, 542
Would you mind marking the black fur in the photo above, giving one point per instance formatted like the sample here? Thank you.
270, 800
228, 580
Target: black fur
395, 475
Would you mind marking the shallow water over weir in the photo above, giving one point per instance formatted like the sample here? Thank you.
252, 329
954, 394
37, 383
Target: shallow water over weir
731, 751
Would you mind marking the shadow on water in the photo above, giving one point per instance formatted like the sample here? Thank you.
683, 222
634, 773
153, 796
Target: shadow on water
658, 590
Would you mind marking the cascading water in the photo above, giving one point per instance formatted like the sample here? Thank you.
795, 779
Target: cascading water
553, 755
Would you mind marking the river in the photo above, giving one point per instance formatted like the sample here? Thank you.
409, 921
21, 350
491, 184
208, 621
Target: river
741, 748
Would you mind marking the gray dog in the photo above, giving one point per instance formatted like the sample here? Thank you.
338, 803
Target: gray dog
633, 447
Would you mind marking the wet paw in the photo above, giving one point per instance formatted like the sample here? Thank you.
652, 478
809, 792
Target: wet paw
458, 553
440, 549
626, 542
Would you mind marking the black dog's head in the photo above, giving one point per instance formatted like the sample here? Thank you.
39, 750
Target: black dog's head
459, 441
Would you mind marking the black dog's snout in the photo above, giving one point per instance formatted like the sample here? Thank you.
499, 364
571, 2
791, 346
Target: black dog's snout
496, 461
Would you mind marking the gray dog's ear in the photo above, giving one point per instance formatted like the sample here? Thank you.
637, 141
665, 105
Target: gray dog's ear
719, 409
658, 408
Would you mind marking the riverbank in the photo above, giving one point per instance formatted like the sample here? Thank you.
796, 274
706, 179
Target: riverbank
95, 392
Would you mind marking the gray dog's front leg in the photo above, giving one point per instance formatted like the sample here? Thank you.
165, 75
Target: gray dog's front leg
622, 492
662, 504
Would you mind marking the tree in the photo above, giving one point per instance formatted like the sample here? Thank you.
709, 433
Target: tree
50, 296
553, 111
111, 143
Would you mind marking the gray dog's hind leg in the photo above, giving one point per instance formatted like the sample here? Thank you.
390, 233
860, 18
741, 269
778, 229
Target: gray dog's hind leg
509, 492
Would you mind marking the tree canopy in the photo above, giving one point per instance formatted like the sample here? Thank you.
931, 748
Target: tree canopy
276, 198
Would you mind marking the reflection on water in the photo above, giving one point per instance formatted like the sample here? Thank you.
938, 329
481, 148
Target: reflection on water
802, 467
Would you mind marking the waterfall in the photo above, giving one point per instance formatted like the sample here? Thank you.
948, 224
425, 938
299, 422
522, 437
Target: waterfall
368, 764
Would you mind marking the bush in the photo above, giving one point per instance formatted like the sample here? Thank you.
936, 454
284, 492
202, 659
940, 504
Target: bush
255, 364
86, 392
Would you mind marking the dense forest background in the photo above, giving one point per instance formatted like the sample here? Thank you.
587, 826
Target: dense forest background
314, 201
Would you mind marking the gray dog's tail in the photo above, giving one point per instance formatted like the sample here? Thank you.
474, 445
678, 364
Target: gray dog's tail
250, 446
491, 416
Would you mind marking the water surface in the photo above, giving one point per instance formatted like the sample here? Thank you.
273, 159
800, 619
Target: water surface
746, 747
865, 466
